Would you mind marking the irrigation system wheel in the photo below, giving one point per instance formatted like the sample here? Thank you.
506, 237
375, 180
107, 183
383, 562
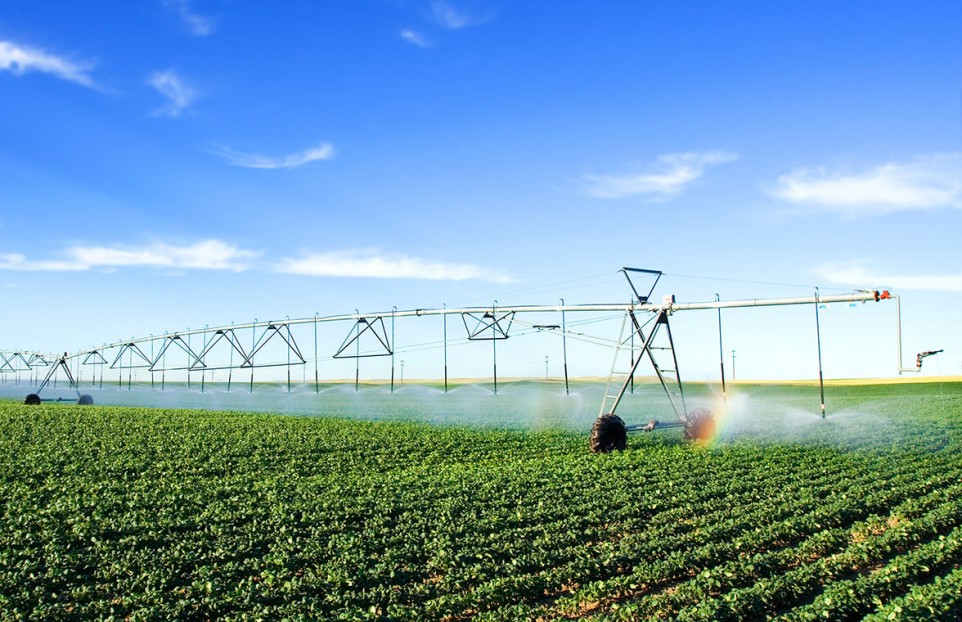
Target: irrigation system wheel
85, 400
700, 425
32, 400
608, 434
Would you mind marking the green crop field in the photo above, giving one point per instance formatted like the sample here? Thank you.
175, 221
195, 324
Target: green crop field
121, 513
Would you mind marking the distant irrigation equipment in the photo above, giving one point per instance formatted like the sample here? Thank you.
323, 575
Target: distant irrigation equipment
58, 364
647, 325
645, 336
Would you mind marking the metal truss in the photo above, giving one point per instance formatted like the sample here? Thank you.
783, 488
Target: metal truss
281, 331
647, 280
184, 346
659, 349
17, 362
37, 360
657, 346
645, 335
229, 336
94, 357
488, 325
376, 331
23, 361
131, 347
60, 363
498, 322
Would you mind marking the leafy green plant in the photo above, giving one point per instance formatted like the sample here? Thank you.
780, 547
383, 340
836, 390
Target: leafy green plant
148, 513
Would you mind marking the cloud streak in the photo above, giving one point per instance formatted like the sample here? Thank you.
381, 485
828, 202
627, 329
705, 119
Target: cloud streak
452, 18
179, 94
324, 151
203, 255
19, 262
415, 38
926, 182
215, 254
855, 274
669, 175
365, 264
198, 25
18, 60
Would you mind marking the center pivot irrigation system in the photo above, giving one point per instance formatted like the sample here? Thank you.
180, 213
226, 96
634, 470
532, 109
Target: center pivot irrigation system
645, 335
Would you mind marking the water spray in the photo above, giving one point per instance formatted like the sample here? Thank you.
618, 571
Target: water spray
645, 338
609, 431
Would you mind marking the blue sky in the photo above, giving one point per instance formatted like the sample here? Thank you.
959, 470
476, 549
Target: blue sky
168, 163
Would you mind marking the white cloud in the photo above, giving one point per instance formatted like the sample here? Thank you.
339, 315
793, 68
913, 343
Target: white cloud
217, 255
324, 151
179, 94
19, 262
372, 265
203, 255
926, 182
452, 18
19, 60
415, 38
857, 275
197, 24
669, 175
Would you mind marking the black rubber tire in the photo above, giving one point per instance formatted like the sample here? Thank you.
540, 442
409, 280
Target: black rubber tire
32, 400
608, 434
700, 425
85, 400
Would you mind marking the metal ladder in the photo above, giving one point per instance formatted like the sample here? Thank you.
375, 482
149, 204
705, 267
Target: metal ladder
617, 380
659, 348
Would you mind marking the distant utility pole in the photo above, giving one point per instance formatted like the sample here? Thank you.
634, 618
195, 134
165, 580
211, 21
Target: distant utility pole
733, 364
402, 371
545, 366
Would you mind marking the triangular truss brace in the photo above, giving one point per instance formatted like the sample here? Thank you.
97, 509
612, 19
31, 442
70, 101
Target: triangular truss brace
642, 283
5, 365
283, 332
61, 363
94, 358
228, 335
136, 360
17, 362
37, 360
489, 326
374, 327
175, 339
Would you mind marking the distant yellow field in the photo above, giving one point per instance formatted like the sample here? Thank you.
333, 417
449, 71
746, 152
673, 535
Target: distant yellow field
645, 379
857, 381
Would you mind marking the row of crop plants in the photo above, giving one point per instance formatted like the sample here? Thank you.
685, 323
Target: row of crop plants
200, 515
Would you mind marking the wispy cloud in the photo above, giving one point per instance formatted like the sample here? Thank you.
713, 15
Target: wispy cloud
374, 265
179, 94
324, 151
668, 175
452, 18
19, 59
415, 38
857, 275
197, 24
17, 261
218, 255
203, 255
925, 182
